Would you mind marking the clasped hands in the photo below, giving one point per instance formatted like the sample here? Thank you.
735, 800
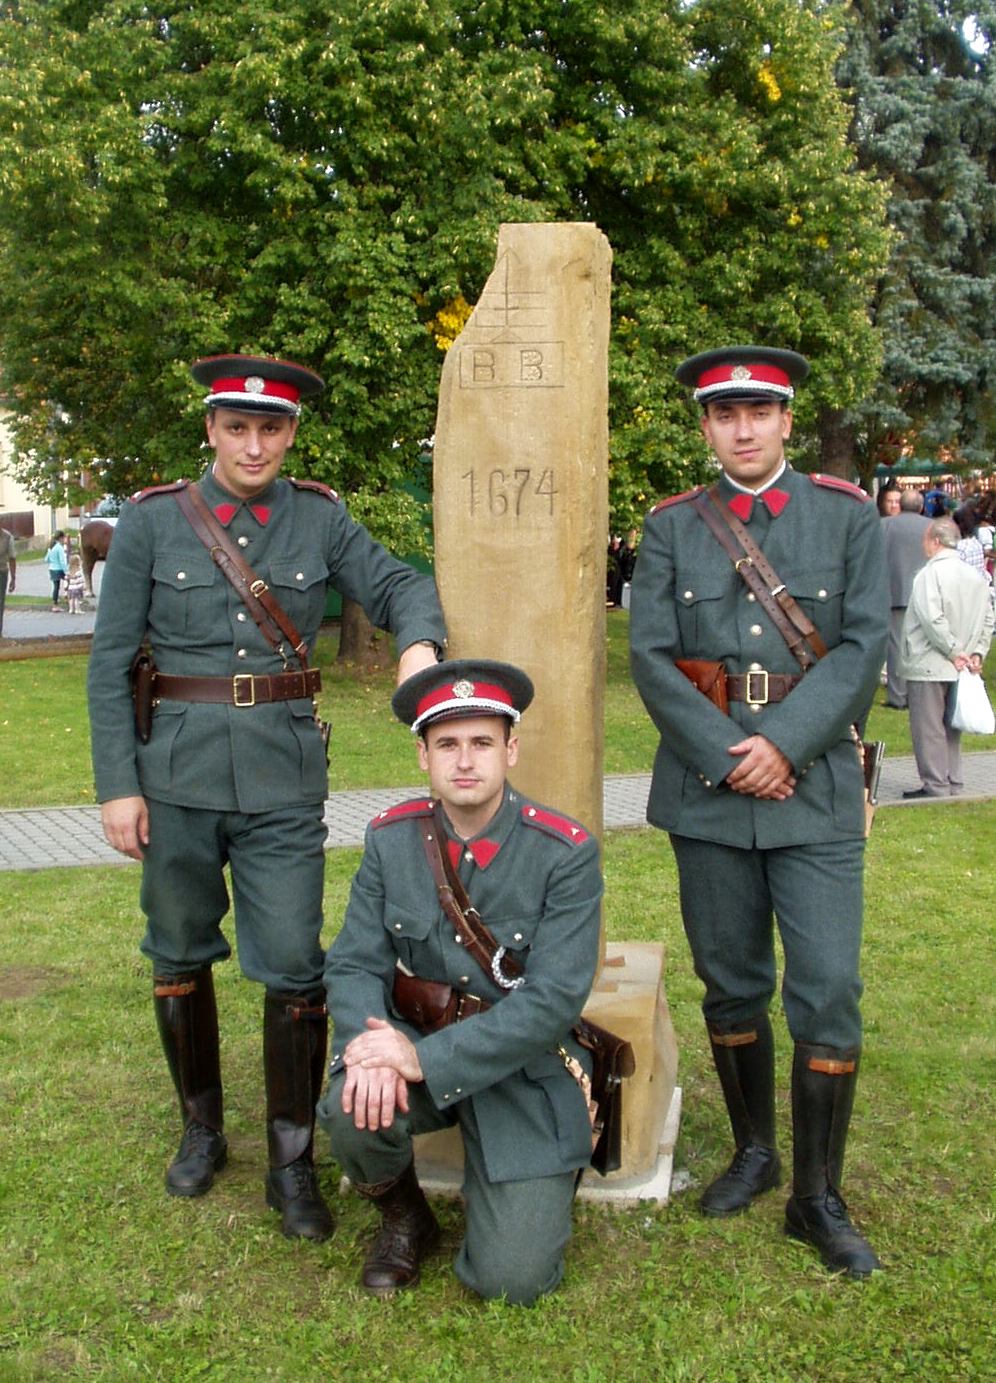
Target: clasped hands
972, 661
380, 1065
763, 770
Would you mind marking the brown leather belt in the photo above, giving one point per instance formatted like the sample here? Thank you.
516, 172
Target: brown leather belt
760, 688
244, 689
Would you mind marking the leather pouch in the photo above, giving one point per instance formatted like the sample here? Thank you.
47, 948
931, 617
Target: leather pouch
140, 675
427, 1004
709, 677
612, 1062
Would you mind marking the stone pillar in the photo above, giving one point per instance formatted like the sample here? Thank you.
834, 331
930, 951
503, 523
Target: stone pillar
521, 532
521, 496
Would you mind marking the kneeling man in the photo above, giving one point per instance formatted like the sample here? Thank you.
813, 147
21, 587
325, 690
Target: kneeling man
490, 1052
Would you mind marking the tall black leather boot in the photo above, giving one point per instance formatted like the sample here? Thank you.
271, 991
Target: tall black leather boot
823, 1084
188, 1025
295, 1038
407, 1233
744, 1055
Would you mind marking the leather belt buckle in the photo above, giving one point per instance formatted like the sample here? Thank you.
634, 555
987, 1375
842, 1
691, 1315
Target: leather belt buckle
751, 698
238, 697
463, 1002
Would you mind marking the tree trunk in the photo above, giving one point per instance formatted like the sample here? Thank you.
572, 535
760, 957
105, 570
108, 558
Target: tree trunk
836, 444
360, 644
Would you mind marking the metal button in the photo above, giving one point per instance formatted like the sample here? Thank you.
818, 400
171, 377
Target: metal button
531, 811
517, 936
397, 926
243, 541
751, 596
706, 783
241, 653
689, 595
299, 576
755, 667
447, 1095
822, 595
756, 709
242, 617
468, 857
458, 938
181, 576
458, 1090
465, 979
756, 630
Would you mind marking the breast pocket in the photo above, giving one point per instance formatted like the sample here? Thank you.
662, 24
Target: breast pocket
819, 592
181, 604
516, 933
409, 933
300, 587
698, 596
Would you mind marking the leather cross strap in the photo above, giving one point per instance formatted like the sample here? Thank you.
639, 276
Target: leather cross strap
757, 573
274, 623
243, 689
470, 930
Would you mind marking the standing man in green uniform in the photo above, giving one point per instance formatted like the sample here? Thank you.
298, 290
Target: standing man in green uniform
234, 770
495, 1065
8, 569
764, 803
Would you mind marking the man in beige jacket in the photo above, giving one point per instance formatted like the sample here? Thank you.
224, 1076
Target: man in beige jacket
948, 626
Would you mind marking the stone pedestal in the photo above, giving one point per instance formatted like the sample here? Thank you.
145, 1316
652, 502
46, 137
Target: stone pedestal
628, 998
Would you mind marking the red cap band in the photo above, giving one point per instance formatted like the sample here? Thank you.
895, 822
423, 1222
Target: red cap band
482, 691
744, 374
271, 388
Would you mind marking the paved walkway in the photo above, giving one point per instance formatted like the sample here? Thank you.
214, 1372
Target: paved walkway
48, 838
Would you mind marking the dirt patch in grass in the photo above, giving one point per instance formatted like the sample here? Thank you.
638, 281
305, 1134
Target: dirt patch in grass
25, 981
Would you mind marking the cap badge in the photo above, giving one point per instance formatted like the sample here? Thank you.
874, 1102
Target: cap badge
740, 372
254, 385
463, 689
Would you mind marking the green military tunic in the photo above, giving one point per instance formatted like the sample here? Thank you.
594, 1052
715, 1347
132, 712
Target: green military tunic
259, 772
742, 858
534, 877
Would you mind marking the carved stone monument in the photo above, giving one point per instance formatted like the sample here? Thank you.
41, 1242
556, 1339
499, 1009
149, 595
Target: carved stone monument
521, 532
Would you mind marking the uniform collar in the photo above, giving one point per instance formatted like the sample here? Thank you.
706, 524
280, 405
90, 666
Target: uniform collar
774, 495
225, 505
487, 844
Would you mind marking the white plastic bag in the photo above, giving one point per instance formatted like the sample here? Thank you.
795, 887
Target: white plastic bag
971, 711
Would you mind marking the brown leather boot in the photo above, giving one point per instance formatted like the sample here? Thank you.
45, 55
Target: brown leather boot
187, 1018
295, 1038
407, 1234
744, 1055
823, 1084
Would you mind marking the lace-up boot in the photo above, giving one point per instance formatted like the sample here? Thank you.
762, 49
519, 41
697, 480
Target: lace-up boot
407, 1234
745, 1062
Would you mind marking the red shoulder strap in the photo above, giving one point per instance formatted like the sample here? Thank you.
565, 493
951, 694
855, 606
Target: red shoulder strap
553, 824
834, 482
151, 490
677, 499
404, 811
315, 485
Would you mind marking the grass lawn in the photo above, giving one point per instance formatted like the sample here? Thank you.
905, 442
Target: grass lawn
45, 699
105, 1277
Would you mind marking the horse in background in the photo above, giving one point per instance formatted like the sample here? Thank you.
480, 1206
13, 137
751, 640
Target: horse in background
95, 542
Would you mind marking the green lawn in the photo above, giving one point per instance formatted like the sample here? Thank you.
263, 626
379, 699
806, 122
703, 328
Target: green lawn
45, 699
105, 1277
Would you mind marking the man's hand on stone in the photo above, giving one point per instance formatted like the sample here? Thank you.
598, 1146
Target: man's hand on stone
763, 770
372, 1096
383, 1045
126, 825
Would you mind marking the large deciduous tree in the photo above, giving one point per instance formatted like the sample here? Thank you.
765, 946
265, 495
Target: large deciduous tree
922, 78
327, 182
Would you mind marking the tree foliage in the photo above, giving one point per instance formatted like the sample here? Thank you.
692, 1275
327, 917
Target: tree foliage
923, 84
326, 182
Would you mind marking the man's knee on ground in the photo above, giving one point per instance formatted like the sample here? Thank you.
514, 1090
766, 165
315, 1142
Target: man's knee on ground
520, 1279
